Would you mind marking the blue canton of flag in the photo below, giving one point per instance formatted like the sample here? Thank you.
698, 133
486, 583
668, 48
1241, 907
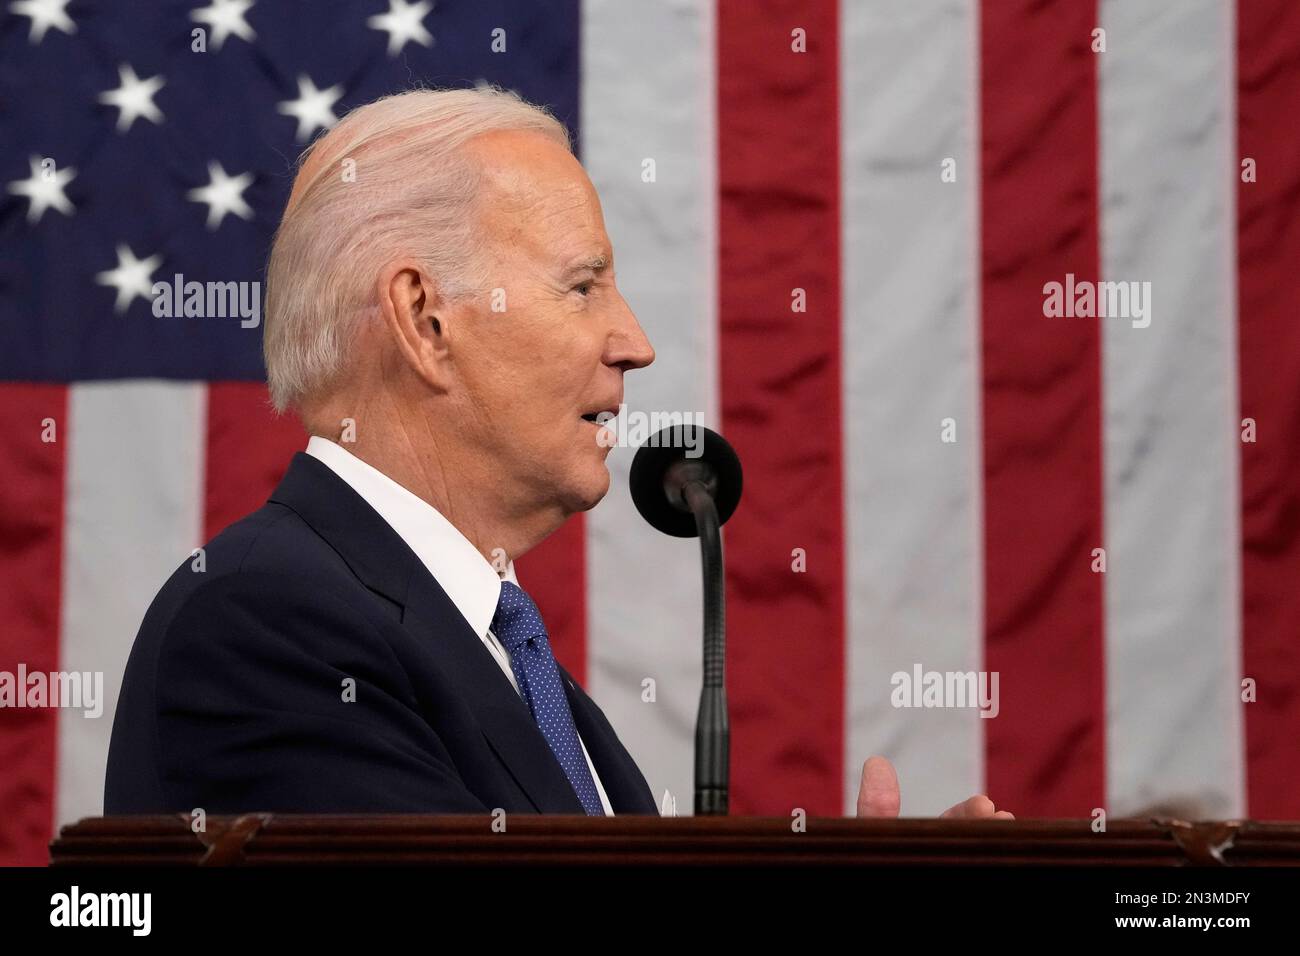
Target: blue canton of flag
169, 151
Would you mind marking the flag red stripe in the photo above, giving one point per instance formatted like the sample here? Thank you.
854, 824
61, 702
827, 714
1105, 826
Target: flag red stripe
1041, 408
1268, 250
554, 575
31, 526
248, 451
779, 374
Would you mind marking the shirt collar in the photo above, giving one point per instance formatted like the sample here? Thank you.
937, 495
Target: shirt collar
469, 579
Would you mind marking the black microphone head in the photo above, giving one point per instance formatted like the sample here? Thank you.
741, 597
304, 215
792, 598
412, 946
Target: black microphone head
672, 457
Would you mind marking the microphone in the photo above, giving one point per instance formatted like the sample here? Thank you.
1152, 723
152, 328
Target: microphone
686, 482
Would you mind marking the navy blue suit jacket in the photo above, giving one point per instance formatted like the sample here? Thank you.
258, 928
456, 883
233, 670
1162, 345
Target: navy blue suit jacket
233, 695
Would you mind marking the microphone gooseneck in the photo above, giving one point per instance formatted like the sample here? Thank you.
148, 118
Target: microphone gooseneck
686, 482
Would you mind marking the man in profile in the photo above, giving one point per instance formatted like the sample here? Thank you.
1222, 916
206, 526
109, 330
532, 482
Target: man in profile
442, 316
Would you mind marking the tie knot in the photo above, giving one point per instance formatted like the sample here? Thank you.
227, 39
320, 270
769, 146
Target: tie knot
517, 619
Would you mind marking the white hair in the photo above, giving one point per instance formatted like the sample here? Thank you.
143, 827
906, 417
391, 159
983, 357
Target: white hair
390, 180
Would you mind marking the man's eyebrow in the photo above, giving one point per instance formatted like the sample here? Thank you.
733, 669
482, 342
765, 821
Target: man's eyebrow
594, 263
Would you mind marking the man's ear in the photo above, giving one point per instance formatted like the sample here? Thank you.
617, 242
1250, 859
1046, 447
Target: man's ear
408, 301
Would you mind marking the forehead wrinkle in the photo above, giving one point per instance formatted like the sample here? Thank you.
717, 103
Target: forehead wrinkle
512, 193
546, 211
545, 228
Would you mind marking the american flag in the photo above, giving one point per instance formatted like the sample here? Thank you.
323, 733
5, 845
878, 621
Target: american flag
838, 224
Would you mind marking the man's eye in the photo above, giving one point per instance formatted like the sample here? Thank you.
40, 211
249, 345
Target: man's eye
584, 287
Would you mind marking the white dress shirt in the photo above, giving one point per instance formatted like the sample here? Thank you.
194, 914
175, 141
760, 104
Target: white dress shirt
469, 579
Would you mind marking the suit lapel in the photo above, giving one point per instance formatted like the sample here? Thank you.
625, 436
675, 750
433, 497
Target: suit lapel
619, 775
506, 721
383, 562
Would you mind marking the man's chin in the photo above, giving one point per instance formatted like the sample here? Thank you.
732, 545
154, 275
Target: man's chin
590, 489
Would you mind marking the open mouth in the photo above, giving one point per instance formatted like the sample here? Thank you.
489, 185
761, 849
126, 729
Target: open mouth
602, 416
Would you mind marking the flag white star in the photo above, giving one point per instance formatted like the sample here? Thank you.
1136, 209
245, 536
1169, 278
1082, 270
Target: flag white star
403, 24
44, 14
131, 278
314, 109
226, 17
43, 190
224, 195
134, 98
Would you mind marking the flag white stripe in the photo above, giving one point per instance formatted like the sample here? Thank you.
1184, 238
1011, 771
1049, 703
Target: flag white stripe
133, 512
1172, 532
910, 360
648, 85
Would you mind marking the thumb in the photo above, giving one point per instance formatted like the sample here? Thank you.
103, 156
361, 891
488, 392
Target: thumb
878, 792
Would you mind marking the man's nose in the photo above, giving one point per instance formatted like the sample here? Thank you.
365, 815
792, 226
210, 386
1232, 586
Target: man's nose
629, 347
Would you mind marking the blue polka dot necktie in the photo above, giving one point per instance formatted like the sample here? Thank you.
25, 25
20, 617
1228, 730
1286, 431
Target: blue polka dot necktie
518, 626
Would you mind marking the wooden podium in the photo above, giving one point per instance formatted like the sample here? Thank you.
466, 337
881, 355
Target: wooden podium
273, 839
